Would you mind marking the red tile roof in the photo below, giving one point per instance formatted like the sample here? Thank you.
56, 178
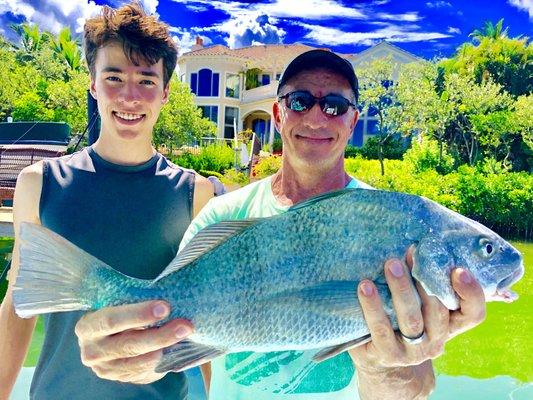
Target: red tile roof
271, 56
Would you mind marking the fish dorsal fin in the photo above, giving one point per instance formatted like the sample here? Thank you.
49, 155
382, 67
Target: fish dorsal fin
205, 240
321, 197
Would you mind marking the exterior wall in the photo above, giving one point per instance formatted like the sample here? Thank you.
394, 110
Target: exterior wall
261, 99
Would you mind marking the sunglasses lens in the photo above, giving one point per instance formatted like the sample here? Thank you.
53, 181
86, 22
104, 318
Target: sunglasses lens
334, 105
300, 101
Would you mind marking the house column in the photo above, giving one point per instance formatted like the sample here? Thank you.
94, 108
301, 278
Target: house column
272, 132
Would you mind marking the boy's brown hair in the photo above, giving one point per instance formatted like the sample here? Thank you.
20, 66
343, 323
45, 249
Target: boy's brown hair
143, 37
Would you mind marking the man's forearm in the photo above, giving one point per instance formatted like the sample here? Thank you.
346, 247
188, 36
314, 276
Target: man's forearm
415, 382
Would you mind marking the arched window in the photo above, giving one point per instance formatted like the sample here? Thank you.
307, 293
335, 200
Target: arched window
205, 83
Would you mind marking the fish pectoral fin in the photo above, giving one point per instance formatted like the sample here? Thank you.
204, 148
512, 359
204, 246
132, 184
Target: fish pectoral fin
339, 297
205, 240
432, 265
186, 354
332, 351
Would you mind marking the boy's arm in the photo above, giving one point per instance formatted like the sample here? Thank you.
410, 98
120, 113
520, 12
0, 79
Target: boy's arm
15, 332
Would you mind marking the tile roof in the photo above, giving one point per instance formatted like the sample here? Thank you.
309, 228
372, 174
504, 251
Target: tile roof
271, 56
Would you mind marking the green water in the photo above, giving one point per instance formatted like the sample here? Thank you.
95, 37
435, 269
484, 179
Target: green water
502, 344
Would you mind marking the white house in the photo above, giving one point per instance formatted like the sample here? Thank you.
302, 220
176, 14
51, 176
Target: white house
241, 84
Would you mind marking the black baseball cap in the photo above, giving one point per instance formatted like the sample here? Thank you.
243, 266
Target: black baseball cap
320, 58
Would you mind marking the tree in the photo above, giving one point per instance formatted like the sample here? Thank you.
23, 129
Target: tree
67, 48
181, 121
424, 103
32, 40
506, 61
470, 100
378, 95
490, 31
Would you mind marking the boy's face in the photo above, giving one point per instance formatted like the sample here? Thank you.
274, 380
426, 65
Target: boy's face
129, 97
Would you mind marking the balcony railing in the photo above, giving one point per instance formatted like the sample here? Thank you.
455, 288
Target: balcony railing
260, 93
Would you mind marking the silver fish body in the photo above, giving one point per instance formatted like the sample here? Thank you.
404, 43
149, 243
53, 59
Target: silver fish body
289, 282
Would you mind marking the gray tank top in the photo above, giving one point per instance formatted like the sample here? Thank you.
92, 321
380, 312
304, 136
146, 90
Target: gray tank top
133, 219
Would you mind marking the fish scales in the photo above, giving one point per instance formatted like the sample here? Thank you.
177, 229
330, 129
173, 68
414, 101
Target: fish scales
286, 282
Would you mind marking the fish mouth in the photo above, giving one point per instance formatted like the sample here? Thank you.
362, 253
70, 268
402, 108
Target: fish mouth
502, 292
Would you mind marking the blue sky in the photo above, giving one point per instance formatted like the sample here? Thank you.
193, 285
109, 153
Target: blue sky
425, 28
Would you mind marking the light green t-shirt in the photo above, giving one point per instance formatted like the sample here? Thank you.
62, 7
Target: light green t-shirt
286, 375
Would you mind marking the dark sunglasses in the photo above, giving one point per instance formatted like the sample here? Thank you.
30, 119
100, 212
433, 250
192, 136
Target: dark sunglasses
331, 104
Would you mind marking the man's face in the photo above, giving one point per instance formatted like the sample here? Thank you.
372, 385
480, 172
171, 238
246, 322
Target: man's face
312, 138
129, 97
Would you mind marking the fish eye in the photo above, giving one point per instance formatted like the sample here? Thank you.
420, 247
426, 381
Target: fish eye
487, 247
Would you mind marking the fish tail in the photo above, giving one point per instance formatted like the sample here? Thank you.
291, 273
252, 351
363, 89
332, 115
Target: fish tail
54, 274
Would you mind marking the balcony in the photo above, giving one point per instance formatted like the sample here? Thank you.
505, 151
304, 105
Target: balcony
260, 93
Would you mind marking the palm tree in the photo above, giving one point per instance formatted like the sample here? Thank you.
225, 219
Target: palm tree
32, 39
490, 31
67, 48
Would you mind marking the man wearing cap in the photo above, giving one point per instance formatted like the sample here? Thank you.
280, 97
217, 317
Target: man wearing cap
392, 365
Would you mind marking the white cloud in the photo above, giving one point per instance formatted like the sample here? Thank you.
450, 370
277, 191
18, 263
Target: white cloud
150, 6
333, 37
186, 38
526, 5
453, 30
407, 17
438, 4
52, 15
301, 9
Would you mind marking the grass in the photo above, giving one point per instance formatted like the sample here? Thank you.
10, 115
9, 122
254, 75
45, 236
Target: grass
502, 345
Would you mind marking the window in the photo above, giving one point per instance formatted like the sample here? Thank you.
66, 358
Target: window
278, 77
182, 78
230, 114
265, 79
210, 112
205, 83
261, 129
232, 86
372, 127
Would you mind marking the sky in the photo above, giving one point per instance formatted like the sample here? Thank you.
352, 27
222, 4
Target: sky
428, 29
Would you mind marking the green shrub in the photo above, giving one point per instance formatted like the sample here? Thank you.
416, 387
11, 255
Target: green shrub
6, 247
207, 174
235, 177
502, 201
214, 157
393, 148
352, 151
424, 155
277, 145
266, 167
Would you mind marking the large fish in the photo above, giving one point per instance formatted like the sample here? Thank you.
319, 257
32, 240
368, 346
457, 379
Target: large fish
287, 282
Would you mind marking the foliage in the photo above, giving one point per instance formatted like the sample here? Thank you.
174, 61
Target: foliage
214, 157
426, 154
424, 104
252, 78
266, 166
492, 196
378, 94
232, 176
352, 151
391, 147
490, 31
181, 121
31, 107
6, 248
277, 145
507, 61
207, 174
